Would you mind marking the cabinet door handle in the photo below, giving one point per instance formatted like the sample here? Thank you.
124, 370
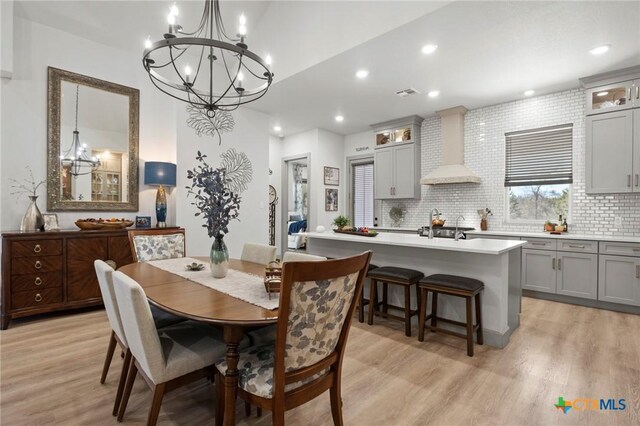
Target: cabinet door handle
637, 179
37, 248
637, 271
629, 93
637, 92
553, 264
38, 264
629, 181
38, 298
37, 281
559, 264
575, 246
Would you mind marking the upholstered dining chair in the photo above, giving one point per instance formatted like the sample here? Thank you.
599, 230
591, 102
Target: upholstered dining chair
293, 256
157, 244
258, 253
317, 301
166, 358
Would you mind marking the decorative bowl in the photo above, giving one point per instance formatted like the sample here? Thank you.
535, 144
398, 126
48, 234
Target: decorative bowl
92, 224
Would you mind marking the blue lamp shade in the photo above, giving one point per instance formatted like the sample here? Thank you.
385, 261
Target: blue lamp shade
159, 173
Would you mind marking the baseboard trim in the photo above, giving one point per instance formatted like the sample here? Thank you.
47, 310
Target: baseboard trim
589, 303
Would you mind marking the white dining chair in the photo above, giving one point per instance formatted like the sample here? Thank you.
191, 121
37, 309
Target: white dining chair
166, 358
258, 253
293, 256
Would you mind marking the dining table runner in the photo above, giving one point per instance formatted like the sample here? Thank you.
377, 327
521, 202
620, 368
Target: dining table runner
241, 285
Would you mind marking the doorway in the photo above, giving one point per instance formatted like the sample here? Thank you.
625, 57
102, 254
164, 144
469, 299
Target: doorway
296, 201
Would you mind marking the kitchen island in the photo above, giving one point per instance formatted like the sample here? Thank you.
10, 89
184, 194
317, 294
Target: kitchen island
495, 262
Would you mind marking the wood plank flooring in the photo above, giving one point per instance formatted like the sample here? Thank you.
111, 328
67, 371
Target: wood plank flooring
50, 370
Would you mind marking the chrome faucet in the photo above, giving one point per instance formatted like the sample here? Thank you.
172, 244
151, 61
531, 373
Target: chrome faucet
430, 234
457, 234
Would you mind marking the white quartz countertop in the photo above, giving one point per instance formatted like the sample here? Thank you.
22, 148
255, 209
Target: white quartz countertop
477, 245
567, 236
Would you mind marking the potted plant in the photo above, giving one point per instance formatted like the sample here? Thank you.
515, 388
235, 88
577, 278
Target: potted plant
341, 222
549, 226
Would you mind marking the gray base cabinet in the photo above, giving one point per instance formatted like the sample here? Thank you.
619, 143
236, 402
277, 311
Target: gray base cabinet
577, 275
538, 270
619, 280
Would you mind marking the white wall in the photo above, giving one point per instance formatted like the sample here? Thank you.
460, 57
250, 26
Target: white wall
251, 136
6, 38
24, 113
362, 143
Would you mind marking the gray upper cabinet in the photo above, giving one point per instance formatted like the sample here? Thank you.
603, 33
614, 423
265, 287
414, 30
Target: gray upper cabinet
577, 274
609, 165
619, 279
613, 132
397, 159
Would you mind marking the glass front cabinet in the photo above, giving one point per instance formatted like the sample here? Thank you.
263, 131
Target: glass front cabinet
615, 91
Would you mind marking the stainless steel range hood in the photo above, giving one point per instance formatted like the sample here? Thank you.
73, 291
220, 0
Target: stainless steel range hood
452, 168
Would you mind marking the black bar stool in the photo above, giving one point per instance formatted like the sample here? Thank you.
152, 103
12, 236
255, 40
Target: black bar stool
451, 285
364, 302
396, 276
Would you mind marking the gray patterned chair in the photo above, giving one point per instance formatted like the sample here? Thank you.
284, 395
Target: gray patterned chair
156, 244
317, 301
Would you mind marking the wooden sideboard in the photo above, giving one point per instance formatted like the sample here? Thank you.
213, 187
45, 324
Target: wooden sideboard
53, 271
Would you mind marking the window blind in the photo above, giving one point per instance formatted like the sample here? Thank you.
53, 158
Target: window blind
362, 190
539, 156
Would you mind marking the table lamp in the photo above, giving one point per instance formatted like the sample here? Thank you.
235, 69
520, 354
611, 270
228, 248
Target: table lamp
161, 174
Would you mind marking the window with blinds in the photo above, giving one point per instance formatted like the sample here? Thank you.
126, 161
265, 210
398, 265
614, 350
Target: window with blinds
362, 190
539, 157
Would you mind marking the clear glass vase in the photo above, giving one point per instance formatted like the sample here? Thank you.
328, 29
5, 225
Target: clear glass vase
32, 219
219, 257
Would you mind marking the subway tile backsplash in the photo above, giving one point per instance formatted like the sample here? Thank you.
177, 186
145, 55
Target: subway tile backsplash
484, 154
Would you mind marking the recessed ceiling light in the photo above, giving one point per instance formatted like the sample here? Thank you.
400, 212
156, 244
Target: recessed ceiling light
433, 93
599, 50
529, 92
362, 74
428, 49
339, 118
602, 93
277, 128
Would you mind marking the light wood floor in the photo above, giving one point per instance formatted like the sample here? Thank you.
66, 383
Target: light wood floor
49, 374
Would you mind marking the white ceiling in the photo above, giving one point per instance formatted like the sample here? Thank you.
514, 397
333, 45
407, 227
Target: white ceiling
489, 52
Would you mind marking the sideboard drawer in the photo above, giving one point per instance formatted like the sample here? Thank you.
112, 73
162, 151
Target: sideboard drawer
36, 248
36, 281
33, 298
33, 265
581, 246
623, 249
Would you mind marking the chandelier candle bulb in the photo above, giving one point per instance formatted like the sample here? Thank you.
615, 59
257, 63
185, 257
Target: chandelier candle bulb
147, 43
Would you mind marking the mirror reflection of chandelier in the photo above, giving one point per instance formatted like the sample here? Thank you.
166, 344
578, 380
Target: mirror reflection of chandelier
75, 160
241, 76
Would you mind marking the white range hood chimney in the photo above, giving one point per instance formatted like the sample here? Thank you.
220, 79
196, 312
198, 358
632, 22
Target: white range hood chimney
452, 168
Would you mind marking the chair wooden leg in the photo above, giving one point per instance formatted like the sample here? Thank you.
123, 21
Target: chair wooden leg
469, 327
277, 417
158, 394
361, 306
247, 409
107, 361
336, 403
385, 298
259, 411
422, 313
434, 309
373, 300
407, 311
123, 379
131, 377
219, 399
418, 301
479, 319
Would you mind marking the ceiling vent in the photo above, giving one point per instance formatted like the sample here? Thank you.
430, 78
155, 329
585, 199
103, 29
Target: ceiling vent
406, 92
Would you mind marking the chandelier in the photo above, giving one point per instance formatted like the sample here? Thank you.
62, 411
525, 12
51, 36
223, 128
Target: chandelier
75, 159
225, 73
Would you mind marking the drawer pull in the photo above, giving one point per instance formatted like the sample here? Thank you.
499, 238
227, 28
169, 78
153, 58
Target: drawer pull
537, 244
37, 248
38, 264
636, 249
38, 281
575, 246
38, 298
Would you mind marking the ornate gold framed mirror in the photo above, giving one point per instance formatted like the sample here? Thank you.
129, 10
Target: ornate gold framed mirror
92, 144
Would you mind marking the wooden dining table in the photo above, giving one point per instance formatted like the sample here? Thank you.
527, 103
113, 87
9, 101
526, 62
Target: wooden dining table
180, 296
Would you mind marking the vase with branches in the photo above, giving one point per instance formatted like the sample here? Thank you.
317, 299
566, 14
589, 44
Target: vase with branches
32, 219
